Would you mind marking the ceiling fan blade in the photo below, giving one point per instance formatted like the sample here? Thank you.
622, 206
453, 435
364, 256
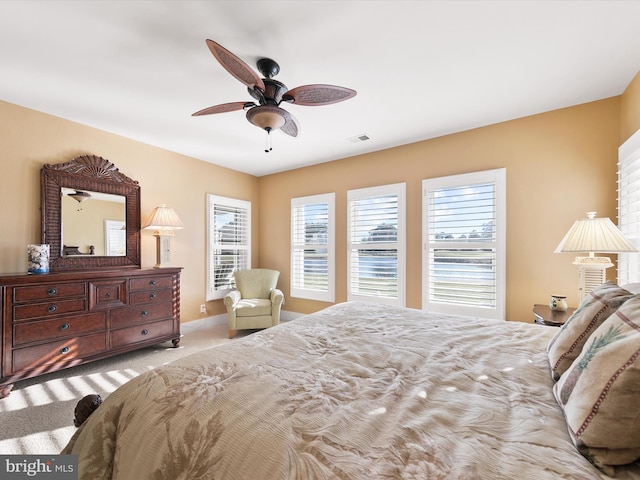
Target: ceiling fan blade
235, 66
225, 107
291, 126
318, 94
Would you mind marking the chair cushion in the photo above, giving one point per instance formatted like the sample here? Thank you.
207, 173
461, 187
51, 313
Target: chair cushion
253, 307
567, 343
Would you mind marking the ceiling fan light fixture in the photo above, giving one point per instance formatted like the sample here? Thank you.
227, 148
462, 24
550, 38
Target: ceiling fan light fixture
80, 196
267, 117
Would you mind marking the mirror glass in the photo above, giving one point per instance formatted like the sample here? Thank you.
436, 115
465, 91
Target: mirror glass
93, 223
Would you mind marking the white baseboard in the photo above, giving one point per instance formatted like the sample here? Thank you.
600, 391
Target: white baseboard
287, 316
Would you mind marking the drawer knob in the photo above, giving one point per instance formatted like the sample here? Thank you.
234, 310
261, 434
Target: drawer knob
52, 291
65, 326
152, 282
144, 332
153, 295
107, 295
144, 313
64, 350
51, 308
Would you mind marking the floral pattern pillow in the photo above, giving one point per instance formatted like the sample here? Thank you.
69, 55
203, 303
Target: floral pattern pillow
600, 392
567, 344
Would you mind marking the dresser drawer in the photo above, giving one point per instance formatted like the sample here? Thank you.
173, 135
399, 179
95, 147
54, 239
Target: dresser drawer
44, 292
123, 317
54, 307
151, 296
107, 294
141, 333
61, 352
146, 283
63, 327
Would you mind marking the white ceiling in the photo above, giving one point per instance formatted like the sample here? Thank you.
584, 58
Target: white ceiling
422, 69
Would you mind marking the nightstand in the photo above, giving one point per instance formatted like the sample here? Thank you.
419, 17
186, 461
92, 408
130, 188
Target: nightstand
545, 316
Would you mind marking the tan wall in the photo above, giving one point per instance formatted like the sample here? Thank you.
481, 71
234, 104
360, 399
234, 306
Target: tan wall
559, 164
29, 139
630, 109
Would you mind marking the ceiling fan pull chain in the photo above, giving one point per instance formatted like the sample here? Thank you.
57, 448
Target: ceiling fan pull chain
268, 148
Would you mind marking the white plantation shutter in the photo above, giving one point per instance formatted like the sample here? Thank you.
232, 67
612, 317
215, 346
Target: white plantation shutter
228, 242
464, 244
376, 244
115, 238
313, 247
629, 207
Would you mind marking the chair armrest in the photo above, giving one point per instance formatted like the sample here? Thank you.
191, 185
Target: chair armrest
232, 298
277, 297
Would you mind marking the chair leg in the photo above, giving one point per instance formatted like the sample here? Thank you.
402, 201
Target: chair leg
232, 333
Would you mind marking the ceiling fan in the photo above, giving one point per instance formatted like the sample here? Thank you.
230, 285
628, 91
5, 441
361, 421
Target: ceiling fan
267, 113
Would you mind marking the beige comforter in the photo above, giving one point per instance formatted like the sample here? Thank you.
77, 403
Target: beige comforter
356, 391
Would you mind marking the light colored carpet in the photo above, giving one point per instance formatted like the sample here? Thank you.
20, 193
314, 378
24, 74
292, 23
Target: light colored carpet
37, 417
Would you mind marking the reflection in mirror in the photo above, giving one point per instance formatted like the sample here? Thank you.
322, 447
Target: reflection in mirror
93, 223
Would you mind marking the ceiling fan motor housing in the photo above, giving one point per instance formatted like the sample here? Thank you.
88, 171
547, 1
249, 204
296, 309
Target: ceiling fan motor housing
273, 92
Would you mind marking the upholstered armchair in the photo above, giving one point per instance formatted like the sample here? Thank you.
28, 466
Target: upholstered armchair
256, 303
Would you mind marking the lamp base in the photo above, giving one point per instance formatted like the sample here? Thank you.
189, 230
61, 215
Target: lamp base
591, 274
163, 249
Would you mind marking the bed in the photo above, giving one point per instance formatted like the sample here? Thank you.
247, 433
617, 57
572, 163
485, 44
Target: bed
355, 391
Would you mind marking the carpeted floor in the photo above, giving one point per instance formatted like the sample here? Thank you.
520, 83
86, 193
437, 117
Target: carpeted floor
37, 417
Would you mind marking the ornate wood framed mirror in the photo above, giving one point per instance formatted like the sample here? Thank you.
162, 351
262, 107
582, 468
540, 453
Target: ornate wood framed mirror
90, 215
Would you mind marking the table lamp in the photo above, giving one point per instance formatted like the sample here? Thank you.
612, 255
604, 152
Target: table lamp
164, 221
590, 235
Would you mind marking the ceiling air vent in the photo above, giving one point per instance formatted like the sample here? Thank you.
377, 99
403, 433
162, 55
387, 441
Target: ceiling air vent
359, 138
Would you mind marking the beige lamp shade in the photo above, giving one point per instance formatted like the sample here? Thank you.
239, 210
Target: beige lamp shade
594, 235
163, 218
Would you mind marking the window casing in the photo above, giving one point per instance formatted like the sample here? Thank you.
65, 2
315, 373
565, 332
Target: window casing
376, 245
464, 244
228, 242
313, 247
629, 207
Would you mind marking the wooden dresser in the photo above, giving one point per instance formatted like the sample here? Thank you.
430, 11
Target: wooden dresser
59, 320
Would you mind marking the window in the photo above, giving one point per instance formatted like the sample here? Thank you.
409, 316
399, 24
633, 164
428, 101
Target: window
313, 247
464, 243
629, 207
376, 244
228, 242
115, 237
